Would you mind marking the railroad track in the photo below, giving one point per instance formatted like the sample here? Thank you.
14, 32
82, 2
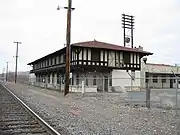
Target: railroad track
16, 118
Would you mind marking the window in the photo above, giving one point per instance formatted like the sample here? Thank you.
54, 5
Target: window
147, 77
58, 78
64, 58
110, 82
94, 80
86, 82
72, 80
48, 78
52, 77
36, 78
51, 61
47, 63
77, 79
95, 54
55, 61
63, 79
126, 57
163, 79
155, 79
174, 80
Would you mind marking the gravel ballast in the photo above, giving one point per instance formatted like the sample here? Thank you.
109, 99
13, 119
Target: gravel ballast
98, 113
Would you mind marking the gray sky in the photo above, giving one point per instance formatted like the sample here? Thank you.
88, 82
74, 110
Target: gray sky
42, 29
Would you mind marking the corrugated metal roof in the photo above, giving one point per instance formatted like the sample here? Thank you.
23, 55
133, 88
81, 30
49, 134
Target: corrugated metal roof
160, 64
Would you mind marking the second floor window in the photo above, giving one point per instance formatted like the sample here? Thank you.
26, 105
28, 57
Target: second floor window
55, 60
126, 57
95, 55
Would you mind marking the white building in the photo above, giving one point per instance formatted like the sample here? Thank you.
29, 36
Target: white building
159, 75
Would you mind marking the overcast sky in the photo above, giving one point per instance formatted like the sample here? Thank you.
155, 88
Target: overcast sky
42, 29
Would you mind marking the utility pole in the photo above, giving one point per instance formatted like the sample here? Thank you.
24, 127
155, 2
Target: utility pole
128, 24
16, 60
3, 76
68, 42
7, 72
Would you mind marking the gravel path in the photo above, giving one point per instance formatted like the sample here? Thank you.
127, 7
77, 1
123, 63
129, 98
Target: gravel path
101, 114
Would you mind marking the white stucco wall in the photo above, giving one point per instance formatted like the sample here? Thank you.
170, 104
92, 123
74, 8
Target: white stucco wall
122, 80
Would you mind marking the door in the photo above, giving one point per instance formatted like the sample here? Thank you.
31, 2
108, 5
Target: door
171, 83
106, 83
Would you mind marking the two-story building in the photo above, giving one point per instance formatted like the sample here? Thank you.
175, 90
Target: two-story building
93, 62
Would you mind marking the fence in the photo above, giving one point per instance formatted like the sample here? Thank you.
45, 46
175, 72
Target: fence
163, 91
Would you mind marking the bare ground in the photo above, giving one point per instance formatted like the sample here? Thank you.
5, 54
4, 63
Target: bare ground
96, 113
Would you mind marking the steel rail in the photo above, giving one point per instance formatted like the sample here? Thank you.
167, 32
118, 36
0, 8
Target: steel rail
49, 128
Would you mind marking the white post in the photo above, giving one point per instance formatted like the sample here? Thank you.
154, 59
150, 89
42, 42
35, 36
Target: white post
102, 81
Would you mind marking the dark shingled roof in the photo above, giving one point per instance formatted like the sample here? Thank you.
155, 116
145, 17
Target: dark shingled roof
97, 44
103, 45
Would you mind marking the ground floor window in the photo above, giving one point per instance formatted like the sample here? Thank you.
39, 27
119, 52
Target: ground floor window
110, 82
48, 78
155, 79
58, 78
52, 77
72, 80
77, 79
163, 79
63, 79
94, 80
86, 82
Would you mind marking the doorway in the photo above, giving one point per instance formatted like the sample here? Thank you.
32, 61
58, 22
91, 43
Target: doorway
171, 83
105, 83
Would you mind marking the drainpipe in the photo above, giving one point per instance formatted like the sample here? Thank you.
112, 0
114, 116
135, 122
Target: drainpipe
83, 87
131, 79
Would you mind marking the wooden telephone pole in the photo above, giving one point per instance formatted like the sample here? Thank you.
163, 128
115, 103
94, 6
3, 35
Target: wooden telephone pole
15, 79
68, 43
7, 72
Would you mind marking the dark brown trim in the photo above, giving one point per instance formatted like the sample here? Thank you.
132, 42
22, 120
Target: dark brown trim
119, 57
133, 58
103, 57
87, 55
91, 56
107, 58
82, 56
115, 57
78, 56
